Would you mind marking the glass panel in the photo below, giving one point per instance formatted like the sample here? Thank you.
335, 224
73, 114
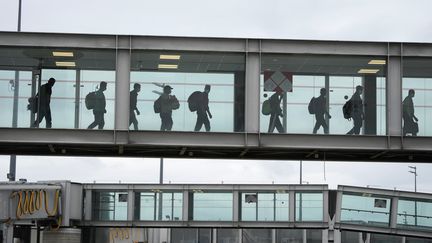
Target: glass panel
228, 236
264, 206
7, 81
257, 236
110, 205
212, 206
368, 209
290, 235
313, 89
147, 206
417, 96
90, 82
56, 105
216, 81
417, 240
413, 213
309, 206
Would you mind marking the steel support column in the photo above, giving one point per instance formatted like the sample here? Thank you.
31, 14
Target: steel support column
122, 84
394, 94
252, 87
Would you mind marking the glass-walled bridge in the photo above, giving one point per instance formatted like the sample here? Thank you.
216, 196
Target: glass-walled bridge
259, 97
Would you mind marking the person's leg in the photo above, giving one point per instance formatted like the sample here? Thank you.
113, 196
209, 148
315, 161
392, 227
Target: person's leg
48, 119
357, 124
163, 122
101, 122
271, 123
199, 123
206, 123
94, 123
133, 120
39, 118
317, 124
169, 122
278, 125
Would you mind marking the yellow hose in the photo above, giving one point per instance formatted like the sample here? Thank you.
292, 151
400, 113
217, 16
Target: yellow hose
56, 202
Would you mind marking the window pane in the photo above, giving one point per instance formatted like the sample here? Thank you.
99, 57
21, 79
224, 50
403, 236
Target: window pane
307, 88
413, 213
228, 236
110, 205
309, 206
357, 209
212, 206
218, 78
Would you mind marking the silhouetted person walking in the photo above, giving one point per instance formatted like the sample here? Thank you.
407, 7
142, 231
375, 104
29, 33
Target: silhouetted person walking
203, 110
410, 120
276, 112
357, 113
44, 99
167, 103
99, 107
133, 106
320, 111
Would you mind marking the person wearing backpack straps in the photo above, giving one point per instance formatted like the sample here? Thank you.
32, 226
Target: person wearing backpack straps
275, 113
357, 113
167, 104
203, 110
320, 104
99, 107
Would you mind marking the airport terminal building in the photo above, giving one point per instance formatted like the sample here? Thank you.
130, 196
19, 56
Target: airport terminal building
184, 97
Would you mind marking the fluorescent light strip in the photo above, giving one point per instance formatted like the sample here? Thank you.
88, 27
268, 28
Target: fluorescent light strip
370, 71
65, 64
169, 57
62, 54
377, 62
168, 66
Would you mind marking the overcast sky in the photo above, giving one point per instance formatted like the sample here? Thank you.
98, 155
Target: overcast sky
365, 20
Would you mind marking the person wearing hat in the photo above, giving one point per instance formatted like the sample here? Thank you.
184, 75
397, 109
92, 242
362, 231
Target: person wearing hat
203, 110
168, 103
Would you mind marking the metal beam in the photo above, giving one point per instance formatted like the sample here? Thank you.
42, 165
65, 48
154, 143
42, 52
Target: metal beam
252, 91
123, 62
394, 94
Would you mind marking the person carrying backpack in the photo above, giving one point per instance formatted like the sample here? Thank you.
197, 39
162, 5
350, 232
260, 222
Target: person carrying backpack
164, 105
99, 105
276, 112
320, 109
201, 101
357, 113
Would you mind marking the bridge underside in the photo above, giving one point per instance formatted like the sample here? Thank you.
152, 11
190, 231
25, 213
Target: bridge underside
214, 145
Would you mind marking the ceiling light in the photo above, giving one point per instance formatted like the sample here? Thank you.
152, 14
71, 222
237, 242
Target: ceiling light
377, 62
65, 64
168, 66
366, 70
170, 57
62, 54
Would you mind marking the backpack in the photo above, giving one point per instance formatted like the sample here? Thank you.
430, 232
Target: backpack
266, 108
157, 106
175, 104
32, 104
194, 100
347, 109
312, 105
90, 100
